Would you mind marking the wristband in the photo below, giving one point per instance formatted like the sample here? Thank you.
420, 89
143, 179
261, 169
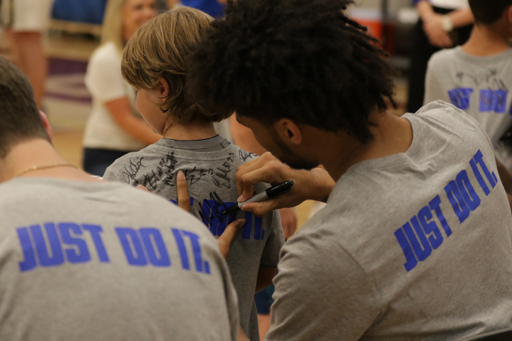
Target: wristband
447, 23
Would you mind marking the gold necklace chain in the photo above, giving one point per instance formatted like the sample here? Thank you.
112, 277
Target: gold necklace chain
35, 168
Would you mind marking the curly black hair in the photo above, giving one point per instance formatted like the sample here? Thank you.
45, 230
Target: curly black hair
300, 59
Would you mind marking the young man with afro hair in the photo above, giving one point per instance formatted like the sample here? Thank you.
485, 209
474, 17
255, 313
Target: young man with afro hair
415, 240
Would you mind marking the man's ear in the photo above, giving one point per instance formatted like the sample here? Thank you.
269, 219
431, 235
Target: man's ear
46, 124
163, 89
289, 131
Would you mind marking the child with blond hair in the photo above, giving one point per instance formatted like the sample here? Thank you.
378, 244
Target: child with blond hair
156, 63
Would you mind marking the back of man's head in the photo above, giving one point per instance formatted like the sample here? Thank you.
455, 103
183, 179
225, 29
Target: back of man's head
19, 115
299, 59
487, 12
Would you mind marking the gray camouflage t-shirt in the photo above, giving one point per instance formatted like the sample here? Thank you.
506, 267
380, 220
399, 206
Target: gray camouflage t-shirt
411, 247
104, 261
210, 166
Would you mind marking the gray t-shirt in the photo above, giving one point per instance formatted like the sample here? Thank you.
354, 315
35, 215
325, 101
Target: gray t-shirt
104, 261
414, 246
210, 166
479, 86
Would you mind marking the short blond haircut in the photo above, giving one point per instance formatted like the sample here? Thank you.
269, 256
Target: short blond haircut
161, 49
112, 29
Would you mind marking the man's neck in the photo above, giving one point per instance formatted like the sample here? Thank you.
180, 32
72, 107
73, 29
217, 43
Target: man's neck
392, 135
486, 41
36, 153
197, 130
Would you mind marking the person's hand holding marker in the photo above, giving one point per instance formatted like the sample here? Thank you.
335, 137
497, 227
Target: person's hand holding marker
231, 230
315, 184
269, 193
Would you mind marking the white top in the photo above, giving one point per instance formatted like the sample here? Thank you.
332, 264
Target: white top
105, 83
26, 15
451, 4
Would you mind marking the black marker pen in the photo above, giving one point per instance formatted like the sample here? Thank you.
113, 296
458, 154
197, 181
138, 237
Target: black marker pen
269, 193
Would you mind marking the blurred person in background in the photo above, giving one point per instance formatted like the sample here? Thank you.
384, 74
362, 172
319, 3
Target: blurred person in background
115, 127
24, 22
442, 24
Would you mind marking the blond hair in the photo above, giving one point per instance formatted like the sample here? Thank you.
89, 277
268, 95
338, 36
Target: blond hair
160, 49
112, 30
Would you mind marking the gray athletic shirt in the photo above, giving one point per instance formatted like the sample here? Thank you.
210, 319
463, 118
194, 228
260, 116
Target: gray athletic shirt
478, 85
414, 246
210, 166
105, 261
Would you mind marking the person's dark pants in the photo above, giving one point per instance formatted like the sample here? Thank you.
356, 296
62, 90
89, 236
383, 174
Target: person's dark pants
96, 161
264, 300
421, 52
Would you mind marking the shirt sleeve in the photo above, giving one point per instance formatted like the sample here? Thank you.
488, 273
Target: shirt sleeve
321, 293
275, 241
103, 77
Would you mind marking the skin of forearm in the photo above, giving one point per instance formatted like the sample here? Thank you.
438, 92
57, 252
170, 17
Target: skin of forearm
424, 9
459, 18
462, 17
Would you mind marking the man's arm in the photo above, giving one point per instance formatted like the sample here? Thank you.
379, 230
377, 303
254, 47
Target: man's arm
321, 293
315, 184
433, 23
461, 17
